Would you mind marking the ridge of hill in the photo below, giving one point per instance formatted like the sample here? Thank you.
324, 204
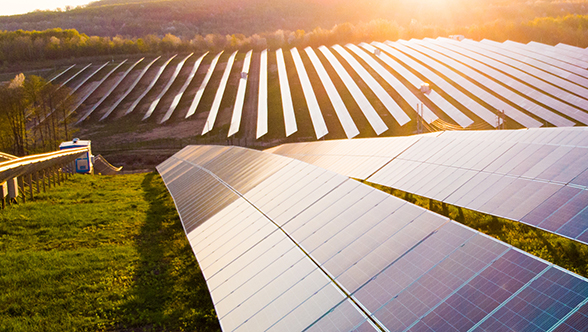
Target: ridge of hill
184, 18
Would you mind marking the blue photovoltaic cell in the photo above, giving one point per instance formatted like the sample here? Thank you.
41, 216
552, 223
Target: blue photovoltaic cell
482, 294
440, 282
576, 322
541, 305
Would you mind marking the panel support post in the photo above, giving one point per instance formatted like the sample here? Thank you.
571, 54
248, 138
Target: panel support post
30, 180
22, 189
37, 182
43, 179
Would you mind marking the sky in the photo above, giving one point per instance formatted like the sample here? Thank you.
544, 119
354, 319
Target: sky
14, 7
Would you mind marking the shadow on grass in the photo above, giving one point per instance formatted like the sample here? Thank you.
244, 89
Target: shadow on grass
168, 291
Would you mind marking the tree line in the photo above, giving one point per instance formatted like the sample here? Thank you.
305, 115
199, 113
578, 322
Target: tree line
53, 44
33, 115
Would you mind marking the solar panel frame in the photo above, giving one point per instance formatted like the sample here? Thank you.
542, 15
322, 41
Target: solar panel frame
287, 104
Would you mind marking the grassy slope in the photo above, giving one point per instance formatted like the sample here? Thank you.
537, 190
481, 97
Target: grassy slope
100, 253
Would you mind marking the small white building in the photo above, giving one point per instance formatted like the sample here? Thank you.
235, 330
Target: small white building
84, 164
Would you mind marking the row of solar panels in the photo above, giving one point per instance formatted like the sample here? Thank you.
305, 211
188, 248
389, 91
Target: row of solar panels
536, 176
288, 246
534, 85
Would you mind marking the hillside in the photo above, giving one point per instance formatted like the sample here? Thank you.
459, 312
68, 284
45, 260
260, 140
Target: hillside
185, 18
100, 253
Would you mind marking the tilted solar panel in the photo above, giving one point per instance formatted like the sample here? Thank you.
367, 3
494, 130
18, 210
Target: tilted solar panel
536, 176
314, 109
444, 104
338, 105
364, 104
218, 97
287, 104
288, 246
543, 81
441, 63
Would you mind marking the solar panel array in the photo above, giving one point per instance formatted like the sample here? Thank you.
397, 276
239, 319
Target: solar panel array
472, 85
288, 246
536, 176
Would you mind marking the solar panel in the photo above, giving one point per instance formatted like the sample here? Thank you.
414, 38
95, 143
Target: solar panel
364, 105
128, 91
572, 51
536, 176
262, 110
546, 82
392, 107
550, 67
523, 49
441, 83
183, 89
112, 88
441, 64
555, 53
287, 106
400, 88
151, 85
577, 51
89, 93
535, 93
240, 100
203, 85
171, 81
285, 245
445, 105
536, 68
320, 127
61, 73
340, 109
218, 98
457, 61
75, 75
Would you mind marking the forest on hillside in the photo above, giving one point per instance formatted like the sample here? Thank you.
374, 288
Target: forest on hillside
19, 47
186, 18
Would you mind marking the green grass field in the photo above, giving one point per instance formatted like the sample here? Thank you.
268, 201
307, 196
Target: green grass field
100, 253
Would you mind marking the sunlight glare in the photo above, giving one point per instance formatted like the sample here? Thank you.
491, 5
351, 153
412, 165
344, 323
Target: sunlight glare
26, 6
